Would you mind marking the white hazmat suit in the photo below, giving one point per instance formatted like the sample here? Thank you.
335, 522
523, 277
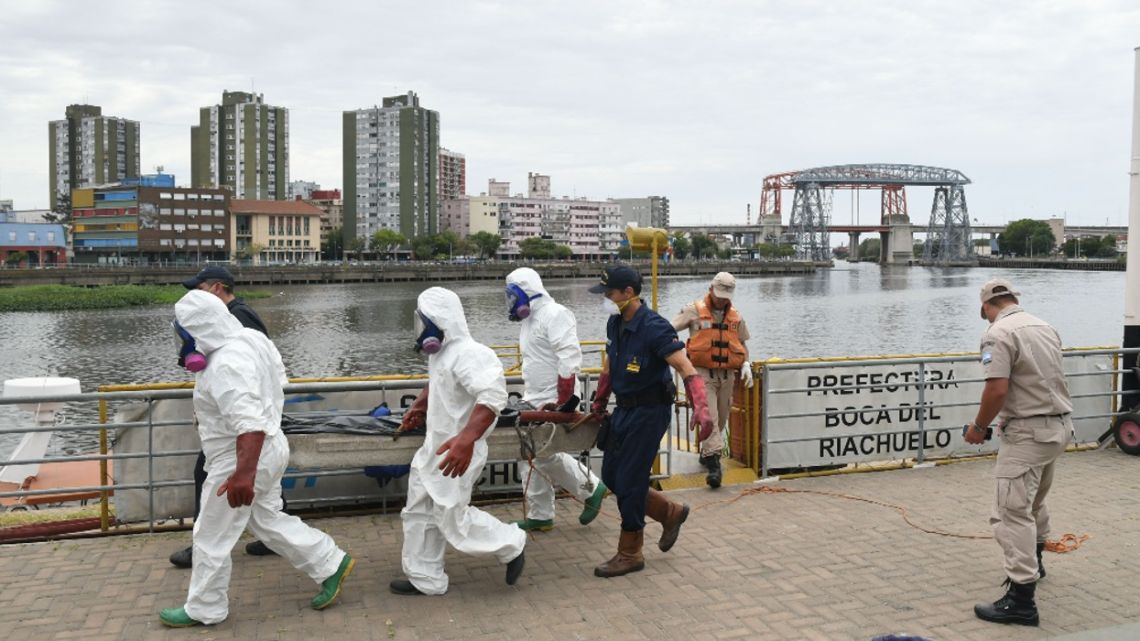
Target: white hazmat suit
548, 340
240, 392
461, 375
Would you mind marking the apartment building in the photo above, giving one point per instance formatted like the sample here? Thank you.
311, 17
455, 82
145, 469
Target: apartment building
591, 228
391, 168
87, 148
242, 145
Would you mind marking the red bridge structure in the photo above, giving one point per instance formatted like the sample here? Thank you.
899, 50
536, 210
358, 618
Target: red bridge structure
948, 232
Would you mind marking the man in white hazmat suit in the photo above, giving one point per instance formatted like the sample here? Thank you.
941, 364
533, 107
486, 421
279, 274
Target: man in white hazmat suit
238, 401
466, 391
551, 360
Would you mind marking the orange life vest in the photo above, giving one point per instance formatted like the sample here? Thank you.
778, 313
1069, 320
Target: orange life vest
716, 345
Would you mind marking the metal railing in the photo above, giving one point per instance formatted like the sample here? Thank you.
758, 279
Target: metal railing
106, 396
150, 394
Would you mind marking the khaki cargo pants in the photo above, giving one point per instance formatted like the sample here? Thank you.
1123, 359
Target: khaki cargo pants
1024, 473
719, 384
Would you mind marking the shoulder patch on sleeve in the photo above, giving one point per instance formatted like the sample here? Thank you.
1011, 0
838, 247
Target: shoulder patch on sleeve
987, 358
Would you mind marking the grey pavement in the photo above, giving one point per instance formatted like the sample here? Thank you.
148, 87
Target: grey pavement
748, 566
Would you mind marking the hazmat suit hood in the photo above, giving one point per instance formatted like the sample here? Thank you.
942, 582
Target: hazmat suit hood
530, 282
548, 340
442, 307
207, 319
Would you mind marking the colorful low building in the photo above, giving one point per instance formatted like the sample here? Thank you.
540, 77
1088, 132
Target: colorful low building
150, 221
31, 244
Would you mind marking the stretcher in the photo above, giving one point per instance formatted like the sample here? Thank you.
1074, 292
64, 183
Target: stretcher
331, 440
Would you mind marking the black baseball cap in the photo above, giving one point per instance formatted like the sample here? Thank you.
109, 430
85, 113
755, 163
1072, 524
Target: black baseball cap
210, 272
618, 277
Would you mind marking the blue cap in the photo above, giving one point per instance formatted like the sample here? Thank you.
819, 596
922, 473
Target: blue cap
211, 272
618, 277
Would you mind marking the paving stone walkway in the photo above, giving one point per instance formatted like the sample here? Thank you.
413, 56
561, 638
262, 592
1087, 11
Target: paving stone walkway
763, 566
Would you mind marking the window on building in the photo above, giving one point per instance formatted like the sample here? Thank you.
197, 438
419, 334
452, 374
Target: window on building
272, 226
31, 237
164, 227
306, 228
51, 236
179, 196
165, 196
12, 236
164, 242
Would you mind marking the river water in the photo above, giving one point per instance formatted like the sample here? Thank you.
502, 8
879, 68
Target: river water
346, 330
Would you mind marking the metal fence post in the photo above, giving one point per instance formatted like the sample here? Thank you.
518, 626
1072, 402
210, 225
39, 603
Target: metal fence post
765, 384
104, 495
921, 411
150, 462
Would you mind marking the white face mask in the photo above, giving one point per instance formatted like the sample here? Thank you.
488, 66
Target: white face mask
610, 307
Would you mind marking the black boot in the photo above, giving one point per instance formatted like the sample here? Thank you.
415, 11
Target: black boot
712, 462
1040, 564
1017, 606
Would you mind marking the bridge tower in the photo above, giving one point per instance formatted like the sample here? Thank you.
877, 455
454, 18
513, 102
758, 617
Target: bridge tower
809, 222
948, 237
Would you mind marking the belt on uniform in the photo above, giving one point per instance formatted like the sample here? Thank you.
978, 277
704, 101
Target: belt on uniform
657, 395
1025, 418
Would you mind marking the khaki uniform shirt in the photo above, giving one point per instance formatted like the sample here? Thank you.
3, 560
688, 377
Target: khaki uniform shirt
690, 319
1026, 350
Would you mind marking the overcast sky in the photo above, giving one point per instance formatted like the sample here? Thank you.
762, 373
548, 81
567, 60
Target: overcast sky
697, 101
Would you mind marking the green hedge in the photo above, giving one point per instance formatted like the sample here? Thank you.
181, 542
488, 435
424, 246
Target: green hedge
52, 298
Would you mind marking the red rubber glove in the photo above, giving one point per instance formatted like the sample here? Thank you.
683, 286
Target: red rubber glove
565, 396
602, 397
416, 416
238, 488
565, 389
698, 398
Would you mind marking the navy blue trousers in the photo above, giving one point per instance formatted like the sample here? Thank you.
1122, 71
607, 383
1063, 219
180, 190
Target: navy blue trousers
634, 438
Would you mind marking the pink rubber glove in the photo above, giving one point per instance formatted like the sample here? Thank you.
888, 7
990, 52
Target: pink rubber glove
695, 390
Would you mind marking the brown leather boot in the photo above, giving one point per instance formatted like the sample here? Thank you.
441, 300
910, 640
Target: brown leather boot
669, 514
628, 558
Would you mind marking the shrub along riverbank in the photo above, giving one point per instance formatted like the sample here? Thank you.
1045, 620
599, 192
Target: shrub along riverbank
54, 298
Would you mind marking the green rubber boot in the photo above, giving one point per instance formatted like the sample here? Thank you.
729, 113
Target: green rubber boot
330, 588
536, 525
176, 618
593, 505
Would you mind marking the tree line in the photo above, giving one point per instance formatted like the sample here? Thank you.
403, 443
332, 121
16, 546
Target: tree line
447, 245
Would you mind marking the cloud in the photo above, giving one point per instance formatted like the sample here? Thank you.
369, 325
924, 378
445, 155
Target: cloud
694, 100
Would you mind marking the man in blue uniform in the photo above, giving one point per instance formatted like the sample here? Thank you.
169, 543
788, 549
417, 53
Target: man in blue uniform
641, 347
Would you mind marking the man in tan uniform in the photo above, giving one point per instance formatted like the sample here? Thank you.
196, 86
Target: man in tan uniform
718, 347
1026, 390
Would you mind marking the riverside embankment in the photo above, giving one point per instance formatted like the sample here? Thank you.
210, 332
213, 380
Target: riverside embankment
90, 275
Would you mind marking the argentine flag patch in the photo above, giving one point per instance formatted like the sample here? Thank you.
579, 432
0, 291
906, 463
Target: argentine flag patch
987, 358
